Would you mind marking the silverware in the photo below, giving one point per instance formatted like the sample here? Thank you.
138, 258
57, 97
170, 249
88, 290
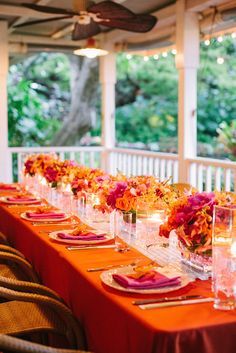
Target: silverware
94, 269
89, 247
176, 303
165, 299
54, 223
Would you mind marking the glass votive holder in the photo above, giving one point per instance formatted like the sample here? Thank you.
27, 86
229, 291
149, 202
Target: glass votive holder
224, 278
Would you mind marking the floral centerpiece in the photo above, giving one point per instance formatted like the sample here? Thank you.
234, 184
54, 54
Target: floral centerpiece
191, 218
122, 193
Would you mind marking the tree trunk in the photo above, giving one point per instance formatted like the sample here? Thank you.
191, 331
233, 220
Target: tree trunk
84, 88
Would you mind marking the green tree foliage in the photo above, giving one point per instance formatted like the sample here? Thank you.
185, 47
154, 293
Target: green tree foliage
216, 87
38, 98
145, 112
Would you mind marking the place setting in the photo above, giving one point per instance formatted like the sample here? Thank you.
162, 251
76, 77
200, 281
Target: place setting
21, 199
80, 236
145, 277
9, 187
44, 215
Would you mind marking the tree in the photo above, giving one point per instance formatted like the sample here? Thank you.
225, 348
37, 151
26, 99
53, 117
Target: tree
84, 90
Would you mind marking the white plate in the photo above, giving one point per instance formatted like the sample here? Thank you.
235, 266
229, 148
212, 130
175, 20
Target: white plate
54, 236
36, 219
5, 200
107, 278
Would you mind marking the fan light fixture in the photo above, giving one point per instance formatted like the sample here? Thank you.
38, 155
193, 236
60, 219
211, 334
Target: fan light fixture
91, 50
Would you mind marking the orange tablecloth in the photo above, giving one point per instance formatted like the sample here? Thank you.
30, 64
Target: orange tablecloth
112, 324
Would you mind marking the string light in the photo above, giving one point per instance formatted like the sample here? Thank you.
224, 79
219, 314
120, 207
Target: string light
174, 51
233, 35
146, 58
220, 60
156, 56
220, 39
164, 54
207, 42
128, 56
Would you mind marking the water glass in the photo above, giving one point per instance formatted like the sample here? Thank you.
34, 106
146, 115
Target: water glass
224, 258
116, 224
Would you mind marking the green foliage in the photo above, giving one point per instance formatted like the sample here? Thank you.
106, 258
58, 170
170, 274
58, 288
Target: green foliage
227, 135
38, 98
216, 87
145, 112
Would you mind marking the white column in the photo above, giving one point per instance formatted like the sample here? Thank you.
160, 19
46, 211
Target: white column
108, 81
187, 62
5, 157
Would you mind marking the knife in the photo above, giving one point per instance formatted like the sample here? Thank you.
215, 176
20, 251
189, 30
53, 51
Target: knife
165, 299
176, 303
89, 247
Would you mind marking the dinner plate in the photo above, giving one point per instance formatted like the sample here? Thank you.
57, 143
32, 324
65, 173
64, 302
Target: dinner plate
54, 236
107, 278
16, 202
46, 219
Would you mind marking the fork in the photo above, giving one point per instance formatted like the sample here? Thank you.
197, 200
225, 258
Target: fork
94, 269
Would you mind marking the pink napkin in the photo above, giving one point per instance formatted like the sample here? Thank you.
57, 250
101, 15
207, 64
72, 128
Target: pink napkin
45, 215
87, 236
8, 187
23, 199
149, 280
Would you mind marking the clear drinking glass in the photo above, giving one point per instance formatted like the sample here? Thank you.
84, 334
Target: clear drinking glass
116, 224
224, 255
149, 218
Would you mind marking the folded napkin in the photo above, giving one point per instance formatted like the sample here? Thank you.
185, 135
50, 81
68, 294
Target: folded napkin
87, 236
150, 280
8, 187
43, 215
22, 199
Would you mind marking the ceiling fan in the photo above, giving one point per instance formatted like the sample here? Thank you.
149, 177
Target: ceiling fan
90, 18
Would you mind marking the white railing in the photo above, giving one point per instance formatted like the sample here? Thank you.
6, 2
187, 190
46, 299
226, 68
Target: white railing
212, 174
139, 162
204, 173
89, 156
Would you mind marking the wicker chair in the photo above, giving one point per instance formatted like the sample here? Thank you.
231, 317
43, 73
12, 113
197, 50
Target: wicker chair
10, 249
28, 287
3, 239
10, 344
14, 266
26, 313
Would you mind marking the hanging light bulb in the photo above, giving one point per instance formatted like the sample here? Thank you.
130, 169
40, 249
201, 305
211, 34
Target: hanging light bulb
91, 50
233, 35
207, 42
220, 60
146, 58
174, 51
220, 39
164, 54
156, 56
128, 56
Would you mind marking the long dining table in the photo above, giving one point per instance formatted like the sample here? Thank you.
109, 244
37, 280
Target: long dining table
111, 322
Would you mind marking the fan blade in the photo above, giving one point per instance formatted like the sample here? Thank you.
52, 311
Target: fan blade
109, 9
140, 23
49, 9
40, 21
85, 31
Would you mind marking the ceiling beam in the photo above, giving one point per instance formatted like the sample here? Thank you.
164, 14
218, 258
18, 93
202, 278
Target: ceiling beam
200, 5
19, 11
17, 38
23, 19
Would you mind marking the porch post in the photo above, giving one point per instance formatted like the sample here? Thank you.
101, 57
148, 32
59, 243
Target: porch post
187, 61
108, 81
5, 156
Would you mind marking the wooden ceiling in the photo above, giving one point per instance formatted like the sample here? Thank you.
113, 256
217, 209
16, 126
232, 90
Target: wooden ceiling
56, 35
